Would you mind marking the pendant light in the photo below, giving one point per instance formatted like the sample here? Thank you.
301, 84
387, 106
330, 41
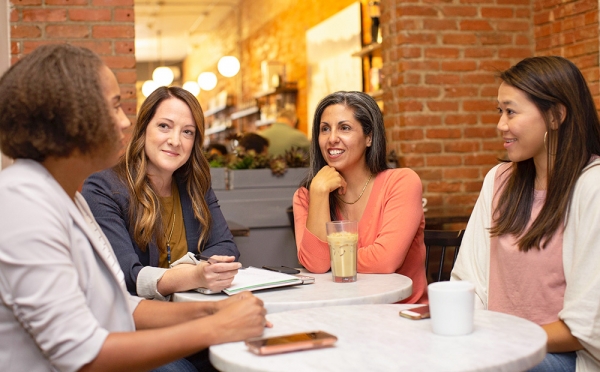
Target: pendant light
207, 81
228, 66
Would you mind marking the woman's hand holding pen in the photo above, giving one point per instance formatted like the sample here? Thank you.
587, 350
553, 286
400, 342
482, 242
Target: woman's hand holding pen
217, 272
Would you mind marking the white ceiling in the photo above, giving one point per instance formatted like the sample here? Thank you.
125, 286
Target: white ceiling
165, 29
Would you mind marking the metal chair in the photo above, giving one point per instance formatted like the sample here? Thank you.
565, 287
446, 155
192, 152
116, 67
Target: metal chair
443, 239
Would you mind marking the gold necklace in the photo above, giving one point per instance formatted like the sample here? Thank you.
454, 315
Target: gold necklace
361, 193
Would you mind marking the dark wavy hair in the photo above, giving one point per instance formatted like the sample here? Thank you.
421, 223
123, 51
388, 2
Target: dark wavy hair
367, 113
51, 104
144, 204
549, 82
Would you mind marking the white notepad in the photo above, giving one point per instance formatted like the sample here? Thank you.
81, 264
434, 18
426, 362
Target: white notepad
253, 279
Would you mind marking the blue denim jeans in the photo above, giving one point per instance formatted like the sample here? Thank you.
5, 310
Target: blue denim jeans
557, 362
181, 365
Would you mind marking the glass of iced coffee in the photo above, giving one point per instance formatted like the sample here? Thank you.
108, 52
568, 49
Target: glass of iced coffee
342, 237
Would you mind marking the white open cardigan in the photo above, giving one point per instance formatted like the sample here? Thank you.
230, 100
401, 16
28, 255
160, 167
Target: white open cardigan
581, 260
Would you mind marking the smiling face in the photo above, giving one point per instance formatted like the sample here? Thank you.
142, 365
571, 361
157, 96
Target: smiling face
342, 140
522, 126
169, 138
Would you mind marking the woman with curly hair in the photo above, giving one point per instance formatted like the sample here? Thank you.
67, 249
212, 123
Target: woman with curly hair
63, 301
157, 207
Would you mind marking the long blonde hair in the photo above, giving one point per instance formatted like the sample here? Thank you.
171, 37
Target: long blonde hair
144, 205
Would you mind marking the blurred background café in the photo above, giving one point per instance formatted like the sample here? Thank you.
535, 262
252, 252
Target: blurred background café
430, 66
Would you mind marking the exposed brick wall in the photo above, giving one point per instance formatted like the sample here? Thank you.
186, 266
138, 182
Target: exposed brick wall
569, 29
439, 60
104, 26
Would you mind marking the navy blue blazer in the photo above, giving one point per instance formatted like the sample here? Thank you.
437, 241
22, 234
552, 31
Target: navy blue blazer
108, 198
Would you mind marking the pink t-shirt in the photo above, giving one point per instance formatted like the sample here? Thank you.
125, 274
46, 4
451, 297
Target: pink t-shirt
530, 284
390, 231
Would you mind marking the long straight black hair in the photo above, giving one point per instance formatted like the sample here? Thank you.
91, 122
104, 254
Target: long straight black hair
549, 82
368, 114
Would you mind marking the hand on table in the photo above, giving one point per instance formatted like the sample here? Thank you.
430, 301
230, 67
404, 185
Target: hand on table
219, 275
240, 317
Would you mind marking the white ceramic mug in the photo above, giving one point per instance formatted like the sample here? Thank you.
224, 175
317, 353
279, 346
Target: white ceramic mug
452, 307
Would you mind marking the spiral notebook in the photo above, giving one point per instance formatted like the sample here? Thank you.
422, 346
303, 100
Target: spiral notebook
254, 279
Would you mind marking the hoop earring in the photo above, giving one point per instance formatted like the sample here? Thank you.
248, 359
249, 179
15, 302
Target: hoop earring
546, 145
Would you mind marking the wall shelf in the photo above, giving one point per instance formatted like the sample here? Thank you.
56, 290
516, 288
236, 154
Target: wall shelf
369, 49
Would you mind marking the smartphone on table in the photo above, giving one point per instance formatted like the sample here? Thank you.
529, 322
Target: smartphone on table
421, 312
291, 342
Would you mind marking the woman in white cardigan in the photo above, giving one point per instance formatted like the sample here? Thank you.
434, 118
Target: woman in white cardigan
63, 301
532, 244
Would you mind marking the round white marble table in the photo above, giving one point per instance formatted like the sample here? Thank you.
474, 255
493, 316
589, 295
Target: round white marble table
376, 338
368, 289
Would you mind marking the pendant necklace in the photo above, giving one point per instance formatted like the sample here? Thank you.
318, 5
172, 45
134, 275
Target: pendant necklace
361, 193
169, 240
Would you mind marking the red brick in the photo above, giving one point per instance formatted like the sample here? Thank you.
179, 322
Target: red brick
459, 39
124, 47
493, 145
475, 25
437, 133
461, 91
420, 39
14, 47
116, 62
439, 24
67, 31
422, 120
19, 32
112, 2
462, 146
480, 159
461, 173
462, 199
130, 109
443, 160
410, 106
441, 53
89, 15
495, 39
44, 15
66, 2
113, 32
419, 91
459, 11
497, 12
481, 105
421, 147
99, 47
459, 66
460, 119
479, 52
513, 26
478, 78
412, 161
124, 15
430, 174
443, 186
411, 10
26, 2
442, 105
481, 132
473, 186
14, 15
439, 79
407, 134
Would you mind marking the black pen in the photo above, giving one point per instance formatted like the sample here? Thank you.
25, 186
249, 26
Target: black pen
209, 260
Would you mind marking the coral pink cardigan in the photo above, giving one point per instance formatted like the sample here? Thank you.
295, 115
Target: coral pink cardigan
390, 232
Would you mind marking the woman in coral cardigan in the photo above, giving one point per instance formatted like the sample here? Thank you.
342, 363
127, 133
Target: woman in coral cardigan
349, 180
